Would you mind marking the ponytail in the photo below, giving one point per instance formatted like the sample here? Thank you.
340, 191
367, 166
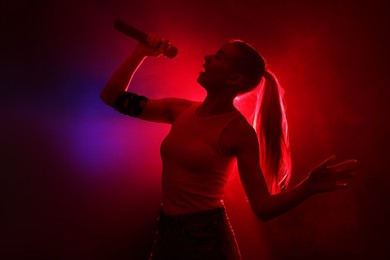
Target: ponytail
269, 118
270, 123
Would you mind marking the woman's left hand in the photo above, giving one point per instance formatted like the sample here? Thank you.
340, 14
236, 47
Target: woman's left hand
327, 177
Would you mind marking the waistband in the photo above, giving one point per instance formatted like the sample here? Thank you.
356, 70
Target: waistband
217, 214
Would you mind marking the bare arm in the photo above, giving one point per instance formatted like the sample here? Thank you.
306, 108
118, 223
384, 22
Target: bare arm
121, 78
156, 110
267, 206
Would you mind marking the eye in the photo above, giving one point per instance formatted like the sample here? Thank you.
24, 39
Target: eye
219, 55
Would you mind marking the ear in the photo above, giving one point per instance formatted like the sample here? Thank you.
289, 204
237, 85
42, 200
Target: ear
235, 79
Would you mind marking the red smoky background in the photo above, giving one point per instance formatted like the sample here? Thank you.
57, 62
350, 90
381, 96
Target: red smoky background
81, 181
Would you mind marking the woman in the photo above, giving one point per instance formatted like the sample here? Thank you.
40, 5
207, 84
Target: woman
206, 138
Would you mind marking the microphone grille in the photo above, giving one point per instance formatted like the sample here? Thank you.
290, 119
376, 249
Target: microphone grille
171, 52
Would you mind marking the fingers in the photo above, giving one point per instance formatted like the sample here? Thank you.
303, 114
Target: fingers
343, 170
346, 166
327, 162
343, 173
158, 44
341, 185
154, 40
323, 166
326, 177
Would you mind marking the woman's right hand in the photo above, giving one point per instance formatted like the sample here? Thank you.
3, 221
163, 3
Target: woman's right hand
155, 47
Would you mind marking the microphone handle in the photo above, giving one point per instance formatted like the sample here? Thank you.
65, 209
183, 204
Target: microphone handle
142, 37
131, 31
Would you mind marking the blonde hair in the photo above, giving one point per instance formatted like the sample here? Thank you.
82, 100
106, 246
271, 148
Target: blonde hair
269, 118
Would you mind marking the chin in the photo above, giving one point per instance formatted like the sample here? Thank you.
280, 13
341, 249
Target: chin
200, 80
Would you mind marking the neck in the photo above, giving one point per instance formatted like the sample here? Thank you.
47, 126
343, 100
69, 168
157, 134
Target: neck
216, 105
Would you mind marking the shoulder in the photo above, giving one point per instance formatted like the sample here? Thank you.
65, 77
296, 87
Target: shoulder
237, 136
177, 105
164, 110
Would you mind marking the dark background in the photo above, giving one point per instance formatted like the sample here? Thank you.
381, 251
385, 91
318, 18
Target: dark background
80, 181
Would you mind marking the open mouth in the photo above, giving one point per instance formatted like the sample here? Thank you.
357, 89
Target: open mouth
204, 69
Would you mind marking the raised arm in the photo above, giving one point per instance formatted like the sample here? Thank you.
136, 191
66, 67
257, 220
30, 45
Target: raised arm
115, 95
324, 177
120, 79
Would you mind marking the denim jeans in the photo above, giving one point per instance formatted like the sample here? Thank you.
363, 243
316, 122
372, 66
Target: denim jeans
201, 235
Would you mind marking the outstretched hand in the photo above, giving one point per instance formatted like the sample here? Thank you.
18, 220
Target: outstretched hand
327, 177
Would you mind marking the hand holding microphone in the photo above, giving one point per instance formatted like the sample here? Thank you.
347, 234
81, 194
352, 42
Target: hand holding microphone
156, 44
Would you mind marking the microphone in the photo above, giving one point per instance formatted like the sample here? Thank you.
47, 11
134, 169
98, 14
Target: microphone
141, 36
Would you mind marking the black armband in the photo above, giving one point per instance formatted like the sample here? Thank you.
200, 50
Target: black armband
130, 104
